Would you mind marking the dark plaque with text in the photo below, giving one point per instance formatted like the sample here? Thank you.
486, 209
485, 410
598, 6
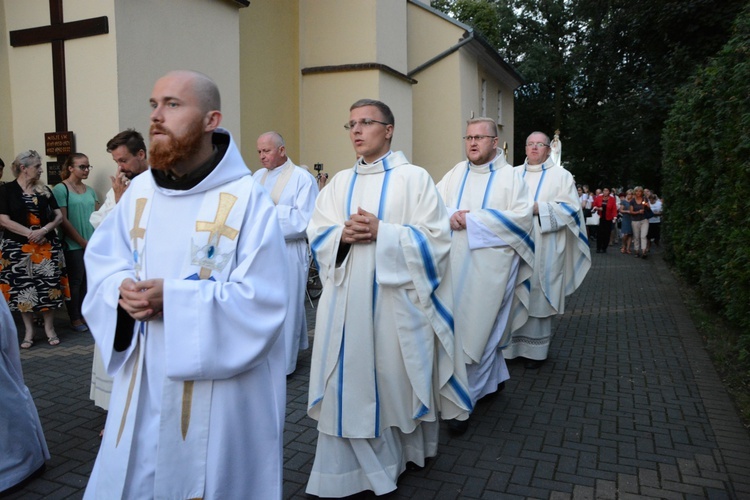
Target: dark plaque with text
58, 143
53, 173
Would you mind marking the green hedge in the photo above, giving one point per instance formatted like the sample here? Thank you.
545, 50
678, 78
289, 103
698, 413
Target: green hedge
706, 181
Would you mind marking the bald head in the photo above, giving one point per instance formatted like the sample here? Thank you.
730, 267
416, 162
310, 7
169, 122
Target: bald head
206, 91
271, 150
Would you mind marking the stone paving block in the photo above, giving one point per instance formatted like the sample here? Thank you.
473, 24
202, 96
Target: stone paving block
582, 477
583, 493
559, 495
627, 483
648, 478
606, 490
685, 488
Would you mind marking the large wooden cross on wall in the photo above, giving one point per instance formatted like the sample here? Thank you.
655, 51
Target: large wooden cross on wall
56, 33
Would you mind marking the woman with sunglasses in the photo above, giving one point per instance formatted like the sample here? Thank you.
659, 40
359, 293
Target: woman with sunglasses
77, 202
31, 277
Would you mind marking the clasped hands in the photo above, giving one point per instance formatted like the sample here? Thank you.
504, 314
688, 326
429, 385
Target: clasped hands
361, 227
458, 220
142, 300
37, 236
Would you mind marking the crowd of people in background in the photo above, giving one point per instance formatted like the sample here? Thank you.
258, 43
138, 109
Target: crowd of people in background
632, 217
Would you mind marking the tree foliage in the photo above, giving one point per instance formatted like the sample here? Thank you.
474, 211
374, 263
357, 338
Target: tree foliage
707, 178
604, 72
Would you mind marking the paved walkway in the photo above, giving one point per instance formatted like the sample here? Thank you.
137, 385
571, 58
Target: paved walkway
628, 406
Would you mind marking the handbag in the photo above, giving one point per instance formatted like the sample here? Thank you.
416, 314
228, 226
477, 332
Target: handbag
593, 220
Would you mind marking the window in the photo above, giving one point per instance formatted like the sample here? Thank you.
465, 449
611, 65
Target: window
484, 97
499, 107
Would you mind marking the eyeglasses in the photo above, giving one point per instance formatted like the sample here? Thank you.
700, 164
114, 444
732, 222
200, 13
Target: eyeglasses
364, 122
470, 138
86, 167
537, 144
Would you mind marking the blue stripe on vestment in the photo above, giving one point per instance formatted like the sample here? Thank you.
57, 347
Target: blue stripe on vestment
339, 429
463, 183
461, 392
488, 189
514, 228
348, 206
574, 213
432, 277
539, 186
318, 242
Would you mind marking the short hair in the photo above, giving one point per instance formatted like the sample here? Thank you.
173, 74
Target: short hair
2, 163
24, 159
542, 133
483, 119
64, 172
130, 138
382, 107
278, 141
207, 91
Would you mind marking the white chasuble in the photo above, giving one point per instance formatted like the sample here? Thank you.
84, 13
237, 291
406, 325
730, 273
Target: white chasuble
484, 256
562, 255
187, 383
384, 353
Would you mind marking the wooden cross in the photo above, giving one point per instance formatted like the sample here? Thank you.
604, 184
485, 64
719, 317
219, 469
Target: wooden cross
56, 34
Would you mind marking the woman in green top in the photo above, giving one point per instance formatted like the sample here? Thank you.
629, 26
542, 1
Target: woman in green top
77, 202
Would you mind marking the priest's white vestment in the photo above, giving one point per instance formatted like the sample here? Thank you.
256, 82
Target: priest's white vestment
198, 403
385, 361
23, 449
101, 383
293, 190
490, 261
561, 257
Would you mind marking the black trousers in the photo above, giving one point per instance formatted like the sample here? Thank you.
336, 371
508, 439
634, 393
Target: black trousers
602, 234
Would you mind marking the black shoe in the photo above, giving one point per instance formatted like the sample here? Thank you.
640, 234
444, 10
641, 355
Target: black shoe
533, 364
458, 427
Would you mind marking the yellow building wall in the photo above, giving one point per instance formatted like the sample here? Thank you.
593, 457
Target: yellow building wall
110, 77
352, 22
437, 107
270, 75
91, 71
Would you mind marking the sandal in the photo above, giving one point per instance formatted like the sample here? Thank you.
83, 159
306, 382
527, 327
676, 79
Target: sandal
53, 340
622, 250
26, 344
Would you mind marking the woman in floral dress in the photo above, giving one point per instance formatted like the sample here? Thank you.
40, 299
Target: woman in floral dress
31, 264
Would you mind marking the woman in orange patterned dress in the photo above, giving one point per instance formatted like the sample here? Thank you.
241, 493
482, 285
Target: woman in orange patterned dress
31, 265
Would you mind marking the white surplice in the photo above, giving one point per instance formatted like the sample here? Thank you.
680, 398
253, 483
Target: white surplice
101, 383
295, 202
490, 260
385, 360
561, 258
198, 403
23, 449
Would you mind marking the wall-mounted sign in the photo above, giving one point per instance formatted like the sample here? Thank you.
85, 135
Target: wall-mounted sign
58, 143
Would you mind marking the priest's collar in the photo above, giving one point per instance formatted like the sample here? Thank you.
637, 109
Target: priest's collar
166, 180
379, 165
485, 168
548, 163
362, 161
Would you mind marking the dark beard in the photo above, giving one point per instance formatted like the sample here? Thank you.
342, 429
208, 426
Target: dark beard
165, 155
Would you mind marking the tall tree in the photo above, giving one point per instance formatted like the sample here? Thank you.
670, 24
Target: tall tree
604, 72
